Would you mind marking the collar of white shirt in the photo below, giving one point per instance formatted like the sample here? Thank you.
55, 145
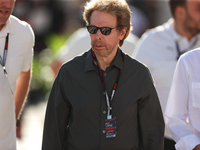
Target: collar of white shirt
6, 29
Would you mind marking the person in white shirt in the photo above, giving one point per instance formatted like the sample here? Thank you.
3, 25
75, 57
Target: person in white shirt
183, 106
160, 48
16, 54
79, 39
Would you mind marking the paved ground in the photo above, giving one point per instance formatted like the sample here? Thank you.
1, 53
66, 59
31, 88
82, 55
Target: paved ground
32, 127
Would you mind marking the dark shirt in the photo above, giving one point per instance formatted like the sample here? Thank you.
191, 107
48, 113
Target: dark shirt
76, 110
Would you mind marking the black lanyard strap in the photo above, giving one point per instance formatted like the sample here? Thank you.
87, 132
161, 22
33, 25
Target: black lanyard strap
103, 83
3, 61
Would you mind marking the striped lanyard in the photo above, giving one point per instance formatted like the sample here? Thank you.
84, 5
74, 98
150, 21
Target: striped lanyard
3, 61
103, 83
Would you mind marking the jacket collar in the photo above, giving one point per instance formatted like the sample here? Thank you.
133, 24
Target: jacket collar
117, 62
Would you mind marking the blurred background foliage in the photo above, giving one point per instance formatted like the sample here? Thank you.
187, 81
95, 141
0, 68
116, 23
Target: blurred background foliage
53, 21
42, 73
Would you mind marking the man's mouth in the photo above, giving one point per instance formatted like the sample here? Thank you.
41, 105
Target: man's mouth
98, 46
4, 12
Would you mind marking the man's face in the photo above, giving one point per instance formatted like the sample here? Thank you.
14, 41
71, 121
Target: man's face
6, 8
104, 45
192, 17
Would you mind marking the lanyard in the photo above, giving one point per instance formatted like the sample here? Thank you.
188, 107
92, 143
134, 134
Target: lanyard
114, 88
3, 61
178, 49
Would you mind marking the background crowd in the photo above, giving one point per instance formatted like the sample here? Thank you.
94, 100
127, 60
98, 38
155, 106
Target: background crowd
53, 21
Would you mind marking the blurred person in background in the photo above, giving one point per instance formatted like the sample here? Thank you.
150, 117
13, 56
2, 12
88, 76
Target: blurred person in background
160, 48
82, 114
183, 105
79, 41
16, 54
139, 21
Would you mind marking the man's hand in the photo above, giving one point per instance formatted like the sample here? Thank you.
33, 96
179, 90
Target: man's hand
197, 147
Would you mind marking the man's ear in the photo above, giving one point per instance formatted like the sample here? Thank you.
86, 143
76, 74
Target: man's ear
180, 13
123, 33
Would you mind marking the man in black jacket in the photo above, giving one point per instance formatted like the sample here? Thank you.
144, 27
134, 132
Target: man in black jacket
104, 99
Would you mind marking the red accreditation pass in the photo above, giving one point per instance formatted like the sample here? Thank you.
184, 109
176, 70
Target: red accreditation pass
110, 127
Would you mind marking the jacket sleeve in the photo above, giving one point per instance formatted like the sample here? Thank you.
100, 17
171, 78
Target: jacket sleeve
57, 116
151, 122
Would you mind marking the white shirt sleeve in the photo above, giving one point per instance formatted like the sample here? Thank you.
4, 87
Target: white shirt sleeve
29, 41
177, 109
142, 52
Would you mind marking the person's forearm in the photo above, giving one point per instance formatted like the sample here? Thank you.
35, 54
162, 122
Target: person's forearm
197, 147
22, 86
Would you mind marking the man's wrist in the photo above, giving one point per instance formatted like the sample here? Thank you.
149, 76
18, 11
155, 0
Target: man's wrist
17, 123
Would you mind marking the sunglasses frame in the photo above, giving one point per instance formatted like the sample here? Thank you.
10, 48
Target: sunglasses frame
100, 29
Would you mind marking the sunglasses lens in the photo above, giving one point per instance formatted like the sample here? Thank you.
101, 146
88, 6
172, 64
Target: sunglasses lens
92, 30
105, 31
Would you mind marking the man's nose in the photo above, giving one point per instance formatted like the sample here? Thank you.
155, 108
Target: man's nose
6, 3
99, 34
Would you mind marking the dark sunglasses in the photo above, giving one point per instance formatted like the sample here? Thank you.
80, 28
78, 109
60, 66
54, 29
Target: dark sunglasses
104, 30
